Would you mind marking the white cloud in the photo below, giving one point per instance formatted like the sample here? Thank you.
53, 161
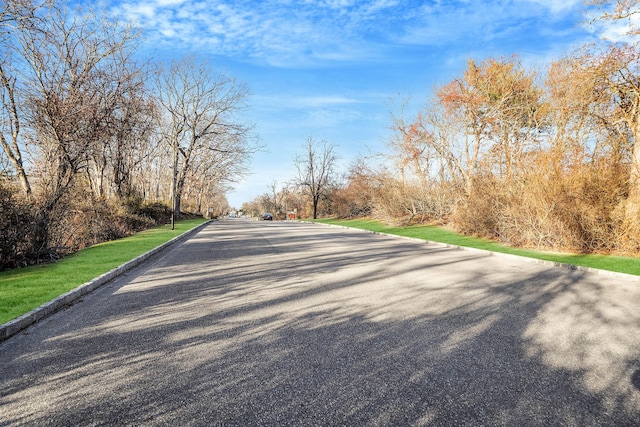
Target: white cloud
444, 22
557, 6
332, 117
170, 2
140, 12
288, 33
278, 32
304, 102
616, 30
318, 101
381, 5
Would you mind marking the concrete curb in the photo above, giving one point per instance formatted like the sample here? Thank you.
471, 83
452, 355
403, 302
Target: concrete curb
605, 273
19, 323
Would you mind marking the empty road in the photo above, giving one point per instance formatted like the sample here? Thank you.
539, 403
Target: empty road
253, 323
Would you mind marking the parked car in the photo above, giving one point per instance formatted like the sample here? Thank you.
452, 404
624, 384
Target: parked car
267, 217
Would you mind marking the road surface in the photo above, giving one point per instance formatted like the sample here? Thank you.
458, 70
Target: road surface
274, 323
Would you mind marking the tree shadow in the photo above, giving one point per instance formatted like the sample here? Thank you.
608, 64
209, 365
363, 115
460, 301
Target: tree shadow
414, 335
635, 379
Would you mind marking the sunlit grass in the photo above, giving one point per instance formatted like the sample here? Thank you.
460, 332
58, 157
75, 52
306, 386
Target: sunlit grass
22, 290
618, 264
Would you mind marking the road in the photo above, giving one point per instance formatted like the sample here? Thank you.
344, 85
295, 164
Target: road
261, 323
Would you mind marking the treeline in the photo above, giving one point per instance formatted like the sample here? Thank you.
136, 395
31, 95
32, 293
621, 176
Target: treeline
98, 141
547, 164
547, 160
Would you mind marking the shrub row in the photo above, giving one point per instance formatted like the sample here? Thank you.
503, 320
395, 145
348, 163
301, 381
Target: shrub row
29, 234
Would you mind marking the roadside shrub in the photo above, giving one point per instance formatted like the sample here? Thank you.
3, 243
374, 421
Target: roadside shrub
478, 213
84, 225
87, 222
157, 212
401, 203
548, 207
17, 229
348, 203
34, 230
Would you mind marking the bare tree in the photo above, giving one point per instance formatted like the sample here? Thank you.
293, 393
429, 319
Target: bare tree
60, 89
202, 126
276, 198
610, 71
70, 89
127, 137
316, 170
16, 17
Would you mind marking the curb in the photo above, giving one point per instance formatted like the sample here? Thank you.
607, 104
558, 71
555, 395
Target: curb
16, 325
606, 273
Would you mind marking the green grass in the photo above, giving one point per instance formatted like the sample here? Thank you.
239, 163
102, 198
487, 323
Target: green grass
618, 264
22, 290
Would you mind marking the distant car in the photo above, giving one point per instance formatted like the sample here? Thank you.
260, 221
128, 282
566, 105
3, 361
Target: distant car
267, 217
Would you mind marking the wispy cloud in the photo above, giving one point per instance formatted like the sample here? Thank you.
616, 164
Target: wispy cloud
305, 32
277, 32
619, 30
322, 101
558, 6
445, 22
304, 102
331, 118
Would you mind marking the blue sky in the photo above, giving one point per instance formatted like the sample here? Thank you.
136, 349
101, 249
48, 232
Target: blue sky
329, 69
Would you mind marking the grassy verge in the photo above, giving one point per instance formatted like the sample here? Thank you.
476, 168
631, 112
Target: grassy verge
22, 290
438, 234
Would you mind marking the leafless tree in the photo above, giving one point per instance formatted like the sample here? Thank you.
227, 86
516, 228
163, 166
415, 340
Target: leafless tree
128, 134
62, 88
16, 17
316, 170
276, 198
73, 89
201, 122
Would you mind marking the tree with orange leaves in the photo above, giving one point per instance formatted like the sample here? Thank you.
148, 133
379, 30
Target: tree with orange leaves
611, 72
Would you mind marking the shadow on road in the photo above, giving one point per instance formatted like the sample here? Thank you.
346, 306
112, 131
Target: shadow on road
275, 324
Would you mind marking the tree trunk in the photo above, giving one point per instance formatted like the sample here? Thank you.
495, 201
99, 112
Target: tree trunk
24, 181
315, 207
632, 214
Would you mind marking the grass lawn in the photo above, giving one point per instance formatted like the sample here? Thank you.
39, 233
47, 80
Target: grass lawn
619, 264
22, 290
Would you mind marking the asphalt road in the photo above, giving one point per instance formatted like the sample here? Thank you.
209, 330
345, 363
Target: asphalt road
259, 323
